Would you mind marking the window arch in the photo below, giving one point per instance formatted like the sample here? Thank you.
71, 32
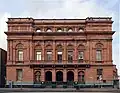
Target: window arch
38, 30
48, 30
59, 30
70, 30
19, 52
81, 29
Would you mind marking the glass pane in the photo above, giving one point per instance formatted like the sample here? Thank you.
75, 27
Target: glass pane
19, 74
80, 55
70, 56
98, 55
20, 55
38, 55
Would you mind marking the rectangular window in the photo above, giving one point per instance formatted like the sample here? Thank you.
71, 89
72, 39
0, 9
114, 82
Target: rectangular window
70, 56
99, 74
80, 56
49, 55
19, 74
38, 55
99, 55
59, 57
20, 55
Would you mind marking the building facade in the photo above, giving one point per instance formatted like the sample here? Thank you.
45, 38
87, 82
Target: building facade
60, 50
3, 57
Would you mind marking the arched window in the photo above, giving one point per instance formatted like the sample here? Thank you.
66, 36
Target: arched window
81, 76
70, 30
48, 50
19, 52
80, 29
38, 30
37, 76
59, 53
48, 30
38, 52
99, 52
81, 49
59, 30
70, 51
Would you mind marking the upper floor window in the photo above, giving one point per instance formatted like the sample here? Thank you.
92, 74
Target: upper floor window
19, 52
19, 74
38, 30
49, 55
70, 30
38, 55
81, 29
37, 52
98, 55
80, 55
59, 30
99, 52
49, 30
70, 56
20, 55
59, 57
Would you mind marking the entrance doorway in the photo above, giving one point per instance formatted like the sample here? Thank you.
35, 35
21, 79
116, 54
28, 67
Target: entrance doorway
48, 76
70, 76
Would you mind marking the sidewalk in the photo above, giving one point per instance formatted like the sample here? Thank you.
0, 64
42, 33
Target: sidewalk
59, 90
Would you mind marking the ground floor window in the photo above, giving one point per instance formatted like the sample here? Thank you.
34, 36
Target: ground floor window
48, 76
59, 76
37, 76
81, 76
19, 73
70, 76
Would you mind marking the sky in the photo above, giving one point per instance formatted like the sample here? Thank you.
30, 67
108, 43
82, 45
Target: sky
63, 9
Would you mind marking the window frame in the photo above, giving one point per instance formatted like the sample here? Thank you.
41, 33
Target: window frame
17, 76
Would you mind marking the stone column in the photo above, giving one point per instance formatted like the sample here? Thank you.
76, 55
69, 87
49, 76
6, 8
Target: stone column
53, 75
64, 75
42, 75
76, 74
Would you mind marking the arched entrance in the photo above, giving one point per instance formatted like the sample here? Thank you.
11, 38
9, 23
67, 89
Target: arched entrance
70, 76
48, 76
59, 76
37, 76
81, 76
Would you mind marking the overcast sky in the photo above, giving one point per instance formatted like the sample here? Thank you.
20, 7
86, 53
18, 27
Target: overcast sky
62, 9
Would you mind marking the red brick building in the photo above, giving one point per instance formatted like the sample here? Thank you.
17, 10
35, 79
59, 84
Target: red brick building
60, 50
